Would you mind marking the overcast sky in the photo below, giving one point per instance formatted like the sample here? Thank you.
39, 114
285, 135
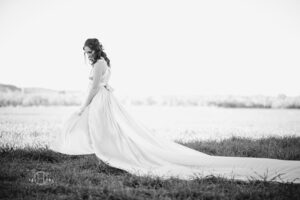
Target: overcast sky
155, 47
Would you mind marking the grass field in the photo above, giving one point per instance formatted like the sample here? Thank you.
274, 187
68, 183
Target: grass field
25, 133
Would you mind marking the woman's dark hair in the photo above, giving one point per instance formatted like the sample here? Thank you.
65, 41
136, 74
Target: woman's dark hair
94, 44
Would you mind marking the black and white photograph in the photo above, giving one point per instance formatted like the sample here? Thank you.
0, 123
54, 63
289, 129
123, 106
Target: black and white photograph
149, 99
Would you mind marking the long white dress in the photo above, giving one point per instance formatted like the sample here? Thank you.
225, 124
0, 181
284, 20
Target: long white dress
107, 130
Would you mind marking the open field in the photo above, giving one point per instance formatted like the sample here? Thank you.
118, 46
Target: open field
26, 131
11, 95
35, 126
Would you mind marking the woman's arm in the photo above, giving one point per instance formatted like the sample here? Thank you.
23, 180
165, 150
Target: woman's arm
98, 70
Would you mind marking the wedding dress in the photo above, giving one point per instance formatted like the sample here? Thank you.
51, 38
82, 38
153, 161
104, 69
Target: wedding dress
107, 130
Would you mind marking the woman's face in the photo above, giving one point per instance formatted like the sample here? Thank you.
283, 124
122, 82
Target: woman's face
89, 52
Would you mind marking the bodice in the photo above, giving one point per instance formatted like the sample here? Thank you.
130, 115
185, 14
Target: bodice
103, 80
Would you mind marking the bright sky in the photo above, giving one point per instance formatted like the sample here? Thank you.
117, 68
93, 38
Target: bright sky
155, 47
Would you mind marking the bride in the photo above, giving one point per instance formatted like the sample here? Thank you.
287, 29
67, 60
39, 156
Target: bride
103, 127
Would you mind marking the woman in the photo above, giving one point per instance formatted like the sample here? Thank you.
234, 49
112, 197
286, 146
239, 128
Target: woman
103, 127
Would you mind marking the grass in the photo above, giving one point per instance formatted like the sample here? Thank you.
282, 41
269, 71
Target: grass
285, 148
84, 177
